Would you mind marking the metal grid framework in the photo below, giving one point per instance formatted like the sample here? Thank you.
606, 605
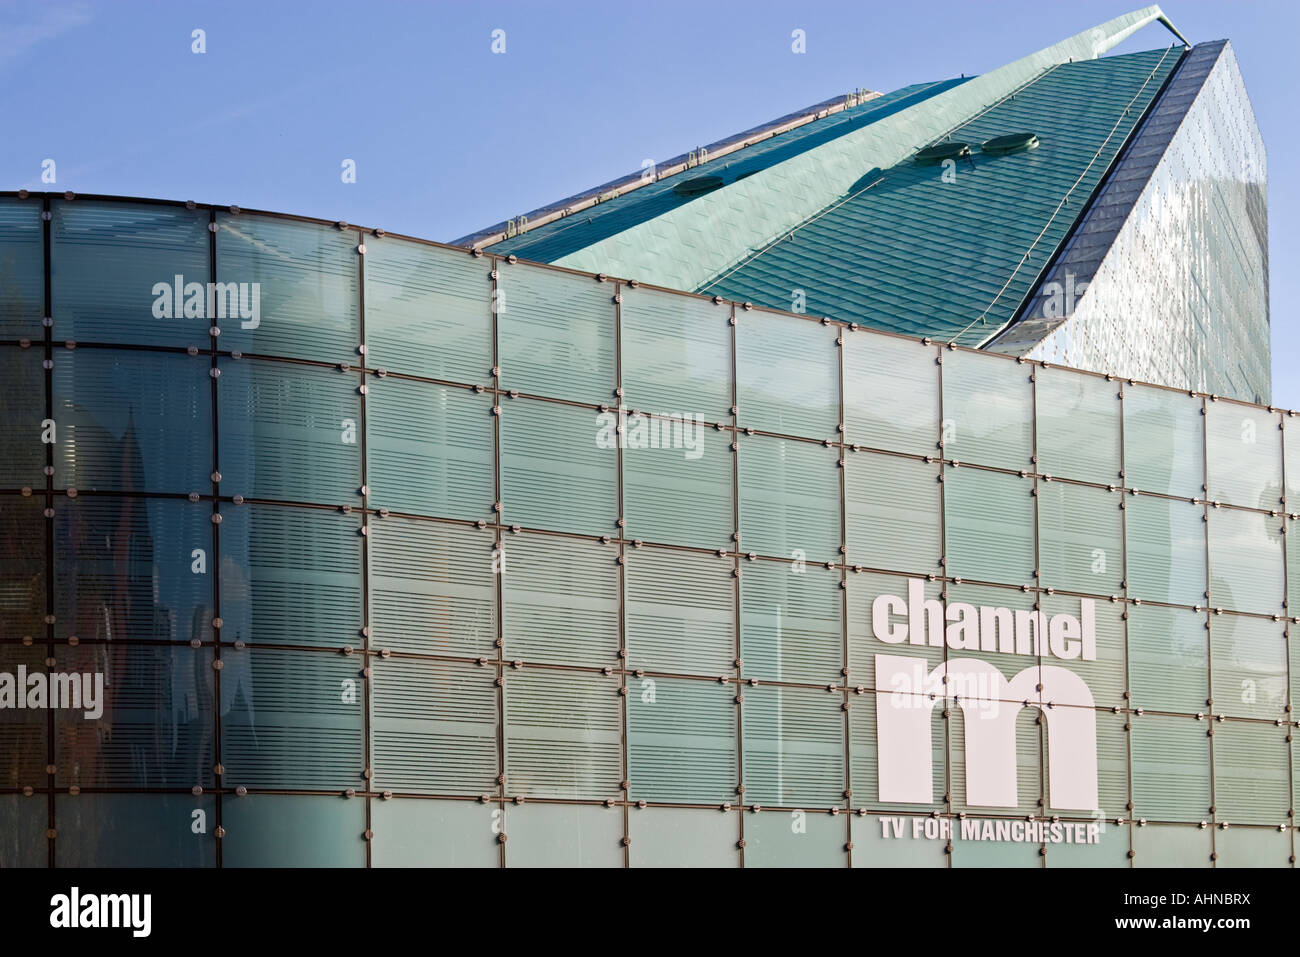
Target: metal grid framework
475, 826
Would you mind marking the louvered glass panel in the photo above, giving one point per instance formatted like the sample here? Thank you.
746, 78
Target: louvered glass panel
891, 394
23, 822
289, 432
134, 830
560, 601
681, 612
555, 473
681, 492
24, 732
22, 268
1243, 455
306, 279
1006, 639
795, 839
892, 512
991, 854
1171, 768
131, 273
1249, 673
787, 375
1246, 561
681, 740
1080, 538
863, 592
132, 421
793, 740
681, 837
873, 847
1078, 422
1101, 632
1252, 847
1165, 539
156, 726
1164, 441
1112, 766
1171, 845
133, 569
563, 734
555, 333
279, 830
428, 311
22, 568
789, 499
292, 720
22, 411
989, 524
290, 576
988, 410
564, 835
1168, 659
1029, 758
864, 766
1252, 773
429, 449
432, 588
790, 622
423, 833
1111, 849
676, 354
433, 727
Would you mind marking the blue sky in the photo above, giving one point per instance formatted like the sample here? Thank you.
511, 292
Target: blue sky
449, 137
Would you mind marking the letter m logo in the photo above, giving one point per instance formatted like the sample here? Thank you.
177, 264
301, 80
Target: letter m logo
990, 704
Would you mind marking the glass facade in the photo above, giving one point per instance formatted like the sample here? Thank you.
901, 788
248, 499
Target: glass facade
409, 556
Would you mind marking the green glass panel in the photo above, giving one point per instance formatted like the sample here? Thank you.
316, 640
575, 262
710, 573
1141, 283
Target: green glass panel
1243, 455
564, 835
1246, 561
292, 719
681, 837
787, 375
1291, 456
1030, 748
988, 410
795, 839
560, 601
984, 853
432, 588
1168, 659
307, 278
23, 821
1252, 773
864, 769
1171, 845
415, 833
131, 273
1252, 847
862, 592
1249, 666
1078, 425
555, 473
277, 830
1080, 538
790, 622
1111, 849
22, 411
892, 512
1001, 646
676, 354
680, 612
681, 740
126, 569
22, 567
563, 734
429, 449
789, 499
433, 727
22, 268
1164, 441
876, 844
24, 732
1165, 540
289, 432
290, 576
1106, 674
678, 495
989, 526
793, 746
1171, 769
1112, 768
134, 421
428, 311
891, 394
135, 830
555, 333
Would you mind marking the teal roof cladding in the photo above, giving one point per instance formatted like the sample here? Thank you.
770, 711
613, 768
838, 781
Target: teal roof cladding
951, 251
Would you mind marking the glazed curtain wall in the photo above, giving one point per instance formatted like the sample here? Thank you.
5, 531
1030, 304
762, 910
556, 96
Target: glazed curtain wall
371, 584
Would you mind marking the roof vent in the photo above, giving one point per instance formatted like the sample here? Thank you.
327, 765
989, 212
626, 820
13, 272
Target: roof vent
936, 154
1010, 143
697, 185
